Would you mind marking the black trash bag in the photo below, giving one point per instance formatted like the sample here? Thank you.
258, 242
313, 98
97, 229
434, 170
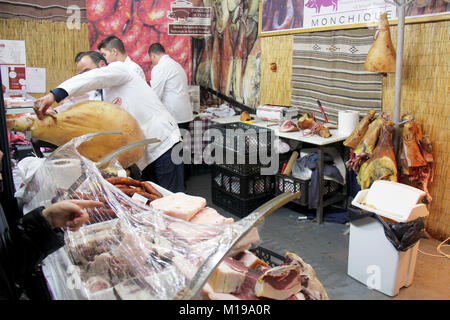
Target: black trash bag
402, 235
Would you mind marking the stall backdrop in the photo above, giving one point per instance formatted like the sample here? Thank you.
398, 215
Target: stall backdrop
138, 24
425, 76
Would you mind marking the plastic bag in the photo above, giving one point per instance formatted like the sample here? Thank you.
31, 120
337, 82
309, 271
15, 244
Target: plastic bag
402, 235
129, 250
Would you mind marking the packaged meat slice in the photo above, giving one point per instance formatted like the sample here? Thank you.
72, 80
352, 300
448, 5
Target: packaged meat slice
252, 237
179, 205
228, 276
210, 216
250, 260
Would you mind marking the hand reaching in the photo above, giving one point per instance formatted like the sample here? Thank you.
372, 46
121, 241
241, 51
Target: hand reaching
42, 104
69, 213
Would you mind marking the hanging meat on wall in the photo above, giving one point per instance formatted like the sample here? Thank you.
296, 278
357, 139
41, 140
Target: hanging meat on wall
381, 56
252, 76
415, 156
226, 62
239, 59
381, 165
355, 137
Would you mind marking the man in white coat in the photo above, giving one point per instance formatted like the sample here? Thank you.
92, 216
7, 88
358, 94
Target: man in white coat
170, 83
134, 94
112, 49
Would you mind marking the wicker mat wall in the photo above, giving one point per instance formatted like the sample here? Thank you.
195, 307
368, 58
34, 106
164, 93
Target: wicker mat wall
329, 66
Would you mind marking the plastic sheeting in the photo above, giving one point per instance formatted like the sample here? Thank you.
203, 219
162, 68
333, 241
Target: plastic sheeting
129, 250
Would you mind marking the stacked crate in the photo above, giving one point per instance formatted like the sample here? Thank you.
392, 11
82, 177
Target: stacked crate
237, 185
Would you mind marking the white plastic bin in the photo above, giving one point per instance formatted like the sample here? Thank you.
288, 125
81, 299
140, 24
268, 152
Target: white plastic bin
374, 261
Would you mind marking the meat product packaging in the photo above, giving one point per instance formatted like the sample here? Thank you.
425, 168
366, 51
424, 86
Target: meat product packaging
140, 252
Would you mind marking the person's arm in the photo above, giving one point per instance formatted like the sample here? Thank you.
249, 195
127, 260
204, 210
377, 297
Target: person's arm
157, 81
99, 78
112, 75
25, 244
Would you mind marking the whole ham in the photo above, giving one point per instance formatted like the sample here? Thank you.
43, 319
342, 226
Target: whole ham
355, 137
415, 157
88, 117
381, 56
381, 165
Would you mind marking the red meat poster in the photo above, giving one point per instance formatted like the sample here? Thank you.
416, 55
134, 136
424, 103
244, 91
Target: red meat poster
17, 78
138, 24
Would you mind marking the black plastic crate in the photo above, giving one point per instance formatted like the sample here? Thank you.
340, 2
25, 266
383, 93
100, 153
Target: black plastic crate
246, 187
249, 169
242, 137
236, 205
284, 183
271, 258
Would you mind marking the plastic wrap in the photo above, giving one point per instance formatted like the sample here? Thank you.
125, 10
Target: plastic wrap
129, 250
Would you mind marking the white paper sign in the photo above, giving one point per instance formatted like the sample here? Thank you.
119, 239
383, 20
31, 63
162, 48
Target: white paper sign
12, 52
329, 13
36, 80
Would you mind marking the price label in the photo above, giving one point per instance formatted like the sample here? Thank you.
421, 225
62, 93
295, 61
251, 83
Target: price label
139, 198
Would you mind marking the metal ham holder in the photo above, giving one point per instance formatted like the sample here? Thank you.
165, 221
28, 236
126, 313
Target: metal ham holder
195, 286
106, 159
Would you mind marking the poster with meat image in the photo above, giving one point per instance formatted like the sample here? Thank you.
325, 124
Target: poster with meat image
138, 24
228, 61
295, 16
281, 15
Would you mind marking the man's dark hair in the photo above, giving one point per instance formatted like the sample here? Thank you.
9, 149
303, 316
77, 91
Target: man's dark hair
111, 42
94, 55
156, 48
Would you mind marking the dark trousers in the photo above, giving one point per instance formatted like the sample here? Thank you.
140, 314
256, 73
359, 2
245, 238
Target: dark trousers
187, 167
165, 173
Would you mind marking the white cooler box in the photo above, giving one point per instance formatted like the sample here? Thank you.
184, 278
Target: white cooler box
372, 259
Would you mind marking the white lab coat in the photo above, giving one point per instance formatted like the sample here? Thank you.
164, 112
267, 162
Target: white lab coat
134, 94
134, 67
169, 81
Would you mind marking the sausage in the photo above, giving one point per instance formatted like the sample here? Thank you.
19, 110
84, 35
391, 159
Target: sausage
124, 181
150, 189
149, 196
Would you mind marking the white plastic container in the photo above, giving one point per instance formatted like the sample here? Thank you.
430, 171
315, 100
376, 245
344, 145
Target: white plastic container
372, 259
375, 262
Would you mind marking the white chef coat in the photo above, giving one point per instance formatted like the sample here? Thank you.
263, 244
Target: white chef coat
169, 81
134, 67
135, 95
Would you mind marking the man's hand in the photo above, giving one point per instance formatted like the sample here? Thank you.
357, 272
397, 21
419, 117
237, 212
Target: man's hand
69, 213
42, 104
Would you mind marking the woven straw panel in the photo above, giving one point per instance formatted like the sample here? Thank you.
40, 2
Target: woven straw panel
276, 87
425, 95
50, 45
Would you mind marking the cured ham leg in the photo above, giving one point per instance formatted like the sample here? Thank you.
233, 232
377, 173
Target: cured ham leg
381, 56
355, 137
382, 164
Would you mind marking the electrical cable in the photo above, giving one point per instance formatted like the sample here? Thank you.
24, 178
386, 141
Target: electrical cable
438, 249
37, 5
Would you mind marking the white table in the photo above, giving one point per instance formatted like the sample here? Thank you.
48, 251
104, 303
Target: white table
320, 142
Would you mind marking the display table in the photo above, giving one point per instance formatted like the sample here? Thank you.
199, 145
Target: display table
316, 140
